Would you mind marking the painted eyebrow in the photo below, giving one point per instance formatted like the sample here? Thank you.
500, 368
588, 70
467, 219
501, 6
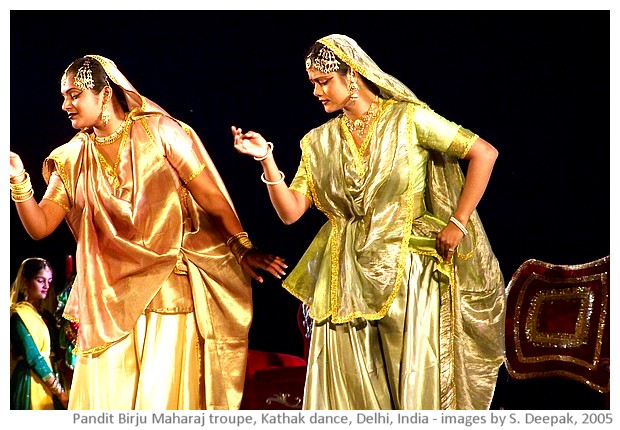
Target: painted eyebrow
321, 78
71, 90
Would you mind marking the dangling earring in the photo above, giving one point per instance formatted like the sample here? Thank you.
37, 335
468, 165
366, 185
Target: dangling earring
105, 114
353, 87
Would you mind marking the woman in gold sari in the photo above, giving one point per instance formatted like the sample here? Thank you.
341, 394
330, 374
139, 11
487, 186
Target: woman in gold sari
34, 384
162, 292
405, 292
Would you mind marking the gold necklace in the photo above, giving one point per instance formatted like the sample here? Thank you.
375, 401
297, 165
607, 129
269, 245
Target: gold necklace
107, 140
361, 124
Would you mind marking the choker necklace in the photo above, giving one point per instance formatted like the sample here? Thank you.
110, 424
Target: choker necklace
107, 140
360, 125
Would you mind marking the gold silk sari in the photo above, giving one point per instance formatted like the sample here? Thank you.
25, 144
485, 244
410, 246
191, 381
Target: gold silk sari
145, 248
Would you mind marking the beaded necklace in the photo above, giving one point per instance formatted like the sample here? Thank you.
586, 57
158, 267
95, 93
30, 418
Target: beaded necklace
107, 140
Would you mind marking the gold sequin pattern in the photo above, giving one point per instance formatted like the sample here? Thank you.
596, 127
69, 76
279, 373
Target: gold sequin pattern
462, 142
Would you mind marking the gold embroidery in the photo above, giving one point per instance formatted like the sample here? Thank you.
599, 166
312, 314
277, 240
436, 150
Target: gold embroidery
173, 310
538, 337
60, 168
566, 340
58, 202
112, 171
197, 172
462, 142
147, 130
358, 153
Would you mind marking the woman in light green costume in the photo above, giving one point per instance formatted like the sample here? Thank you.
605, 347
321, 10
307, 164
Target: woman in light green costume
406, 295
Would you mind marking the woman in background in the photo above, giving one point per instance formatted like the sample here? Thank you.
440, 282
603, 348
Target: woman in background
34, 384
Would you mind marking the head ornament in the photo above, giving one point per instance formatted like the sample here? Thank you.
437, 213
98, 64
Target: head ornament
347, 50
325, 61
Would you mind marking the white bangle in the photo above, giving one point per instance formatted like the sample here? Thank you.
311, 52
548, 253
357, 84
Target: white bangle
269, 151
459, 225
262, 178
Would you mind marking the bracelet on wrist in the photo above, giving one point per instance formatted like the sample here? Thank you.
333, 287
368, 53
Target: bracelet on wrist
262, 178
22, 185
239, 245
22, 191
54, 385
267, 154
22, 197
458, 223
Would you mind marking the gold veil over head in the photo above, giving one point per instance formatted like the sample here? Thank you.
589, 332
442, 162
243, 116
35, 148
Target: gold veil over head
350, 52
104, 321
135, 101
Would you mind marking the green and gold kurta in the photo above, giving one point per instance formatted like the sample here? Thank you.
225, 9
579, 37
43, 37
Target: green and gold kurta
395, 325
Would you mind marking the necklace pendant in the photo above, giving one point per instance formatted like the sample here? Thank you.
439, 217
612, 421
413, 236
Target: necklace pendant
359, 125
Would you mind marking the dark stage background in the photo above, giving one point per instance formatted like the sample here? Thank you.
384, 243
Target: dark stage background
536, 84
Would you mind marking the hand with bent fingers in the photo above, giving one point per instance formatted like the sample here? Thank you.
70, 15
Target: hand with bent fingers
249, 143
256, 259
447, 241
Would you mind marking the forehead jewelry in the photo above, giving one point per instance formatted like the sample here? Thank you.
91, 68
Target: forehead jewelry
83, 78
325, 61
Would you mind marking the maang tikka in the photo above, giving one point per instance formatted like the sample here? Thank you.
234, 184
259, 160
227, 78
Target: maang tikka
325, 61
83, 78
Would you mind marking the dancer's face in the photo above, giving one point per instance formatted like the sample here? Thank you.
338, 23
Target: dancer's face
330, 88
82, 106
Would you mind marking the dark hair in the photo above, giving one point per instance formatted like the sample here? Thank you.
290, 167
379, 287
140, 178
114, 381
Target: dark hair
343, 68
33, 266
100, 78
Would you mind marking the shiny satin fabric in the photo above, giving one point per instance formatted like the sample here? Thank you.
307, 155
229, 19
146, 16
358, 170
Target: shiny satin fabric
474, 311
135, 224
126, 372
356, 363
40, 395
371, 200
385, 205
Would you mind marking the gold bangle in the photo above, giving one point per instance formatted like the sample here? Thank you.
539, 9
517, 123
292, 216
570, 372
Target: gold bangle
239, 245
22, 197
23, 185
236, 237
